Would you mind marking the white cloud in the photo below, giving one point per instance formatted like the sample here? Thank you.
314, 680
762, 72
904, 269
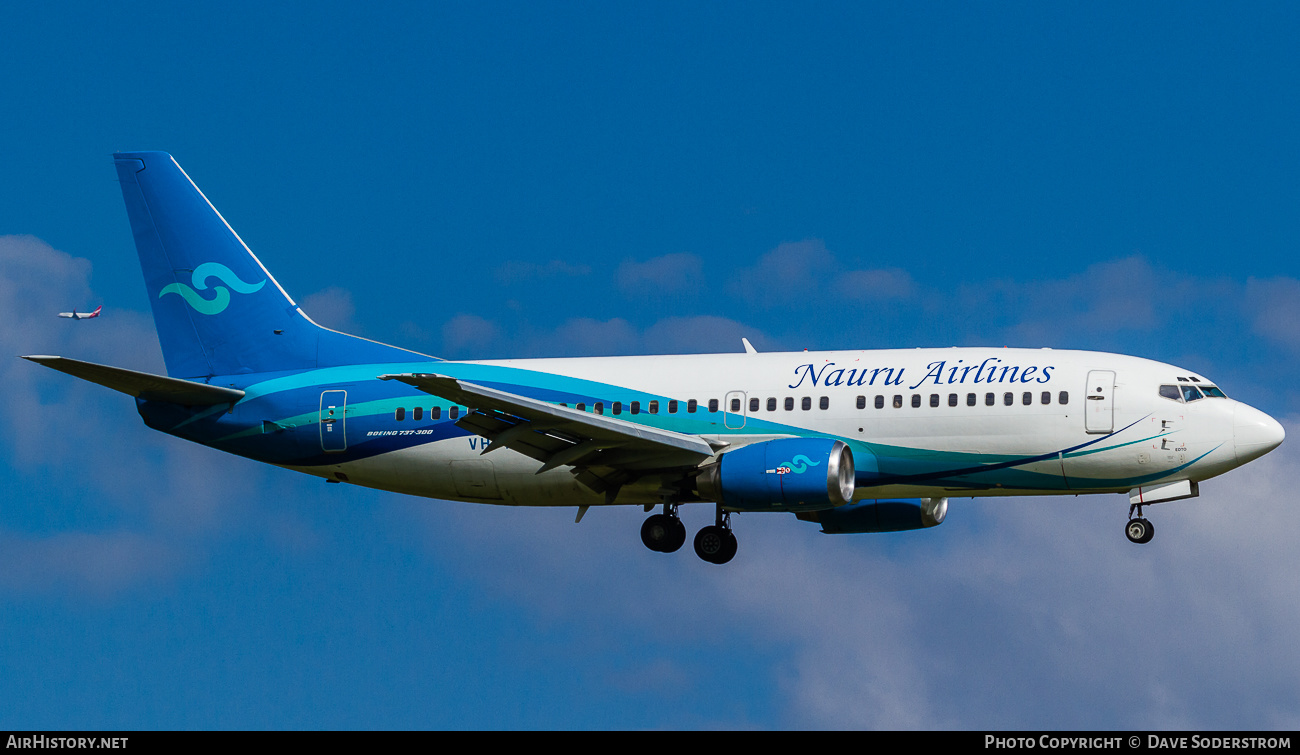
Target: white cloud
789, 274
1275, 306
333, 308
666, 275
107, 503
471, 336
466, 332
525, 271
805, 274
875, 285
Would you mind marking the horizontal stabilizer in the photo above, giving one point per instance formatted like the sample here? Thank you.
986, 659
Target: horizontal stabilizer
142, 384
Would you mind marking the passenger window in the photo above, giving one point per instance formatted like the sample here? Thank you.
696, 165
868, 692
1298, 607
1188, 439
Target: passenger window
1063, 398
400, 414
1008, 398
771, 405
417, 413
934, 399
989, 399
653, 407
599, 408
862, 402
636, 407
898, 402
436, 412
806, 403
1046, 398
1171, 392
580, 407
753, 405
880, 402
1027, 399
970, 399
916, 400
672, 406
617, 408
952, 399
789, 403
1190, 393
692, 405
825, 402
453, 412
713, 404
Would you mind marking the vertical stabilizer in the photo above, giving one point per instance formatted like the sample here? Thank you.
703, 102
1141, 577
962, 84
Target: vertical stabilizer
217, 309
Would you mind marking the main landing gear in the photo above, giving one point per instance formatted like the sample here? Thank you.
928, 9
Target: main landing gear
716, 543
1138, 529
665, 533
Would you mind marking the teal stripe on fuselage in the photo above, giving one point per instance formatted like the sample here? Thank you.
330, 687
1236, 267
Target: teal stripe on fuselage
897, 464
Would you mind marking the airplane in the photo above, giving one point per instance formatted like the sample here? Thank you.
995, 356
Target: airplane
858, 441
75, 315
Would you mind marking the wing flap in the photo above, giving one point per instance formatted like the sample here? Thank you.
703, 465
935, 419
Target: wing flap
560, 435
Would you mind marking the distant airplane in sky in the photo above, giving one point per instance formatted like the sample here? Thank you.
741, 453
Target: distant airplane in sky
856, 441
74, 314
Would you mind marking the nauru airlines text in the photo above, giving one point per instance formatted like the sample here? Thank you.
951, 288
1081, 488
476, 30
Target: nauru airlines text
938, 373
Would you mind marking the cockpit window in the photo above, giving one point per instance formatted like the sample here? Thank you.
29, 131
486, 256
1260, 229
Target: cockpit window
1190, 393
1212, 391
1171, 391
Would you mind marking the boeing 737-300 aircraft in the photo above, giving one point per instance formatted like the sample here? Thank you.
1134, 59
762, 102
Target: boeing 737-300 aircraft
856, 441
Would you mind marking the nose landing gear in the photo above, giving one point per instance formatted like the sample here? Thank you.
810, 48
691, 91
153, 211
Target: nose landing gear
1138, 529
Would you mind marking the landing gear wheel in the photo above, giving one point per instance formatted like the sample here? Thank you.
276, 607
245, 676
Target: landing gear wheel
663, 533
714, 544
1139, 530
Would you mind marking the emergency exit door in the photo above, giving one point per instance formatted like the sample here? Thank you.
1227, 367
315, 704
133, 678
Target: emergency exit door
733, 410
1099, 402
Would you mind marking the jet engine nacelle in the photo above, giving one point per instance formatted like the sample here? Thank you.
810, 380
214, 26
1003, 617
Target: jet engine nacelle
881, 516
790, 474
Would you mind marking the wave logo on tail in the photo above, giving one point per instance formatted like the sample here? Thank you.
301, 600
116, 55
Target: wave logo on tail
221, 295
798, 465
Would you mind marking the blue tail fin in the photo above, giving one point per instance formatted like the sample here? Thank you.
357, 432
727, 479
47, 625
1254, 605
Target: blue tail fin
217, 309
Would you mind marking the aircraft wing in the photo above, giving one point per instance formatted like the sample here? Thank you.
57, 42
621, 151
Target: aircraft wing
605, 451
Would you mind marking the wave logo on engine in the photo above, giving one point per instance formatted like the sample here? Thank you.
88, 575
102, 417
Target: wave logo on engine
798, 465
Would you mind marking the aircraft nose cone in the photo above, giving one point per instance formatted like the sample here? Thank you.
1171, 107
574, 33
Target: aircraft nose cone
1254, 433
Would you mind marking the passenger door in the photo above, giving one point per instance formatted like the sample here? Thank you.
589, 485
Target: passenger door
1099, 402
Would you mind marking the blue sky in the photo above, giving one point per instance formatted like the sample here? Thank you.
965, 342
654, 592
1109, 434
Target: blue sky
490, 180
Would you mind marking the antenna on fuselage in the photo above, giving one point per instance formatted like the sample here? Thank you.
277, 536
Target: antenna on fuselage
749, 347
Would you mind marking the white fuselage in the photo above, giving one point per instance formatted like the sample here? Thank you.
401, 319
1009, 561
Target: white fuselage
940, 422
